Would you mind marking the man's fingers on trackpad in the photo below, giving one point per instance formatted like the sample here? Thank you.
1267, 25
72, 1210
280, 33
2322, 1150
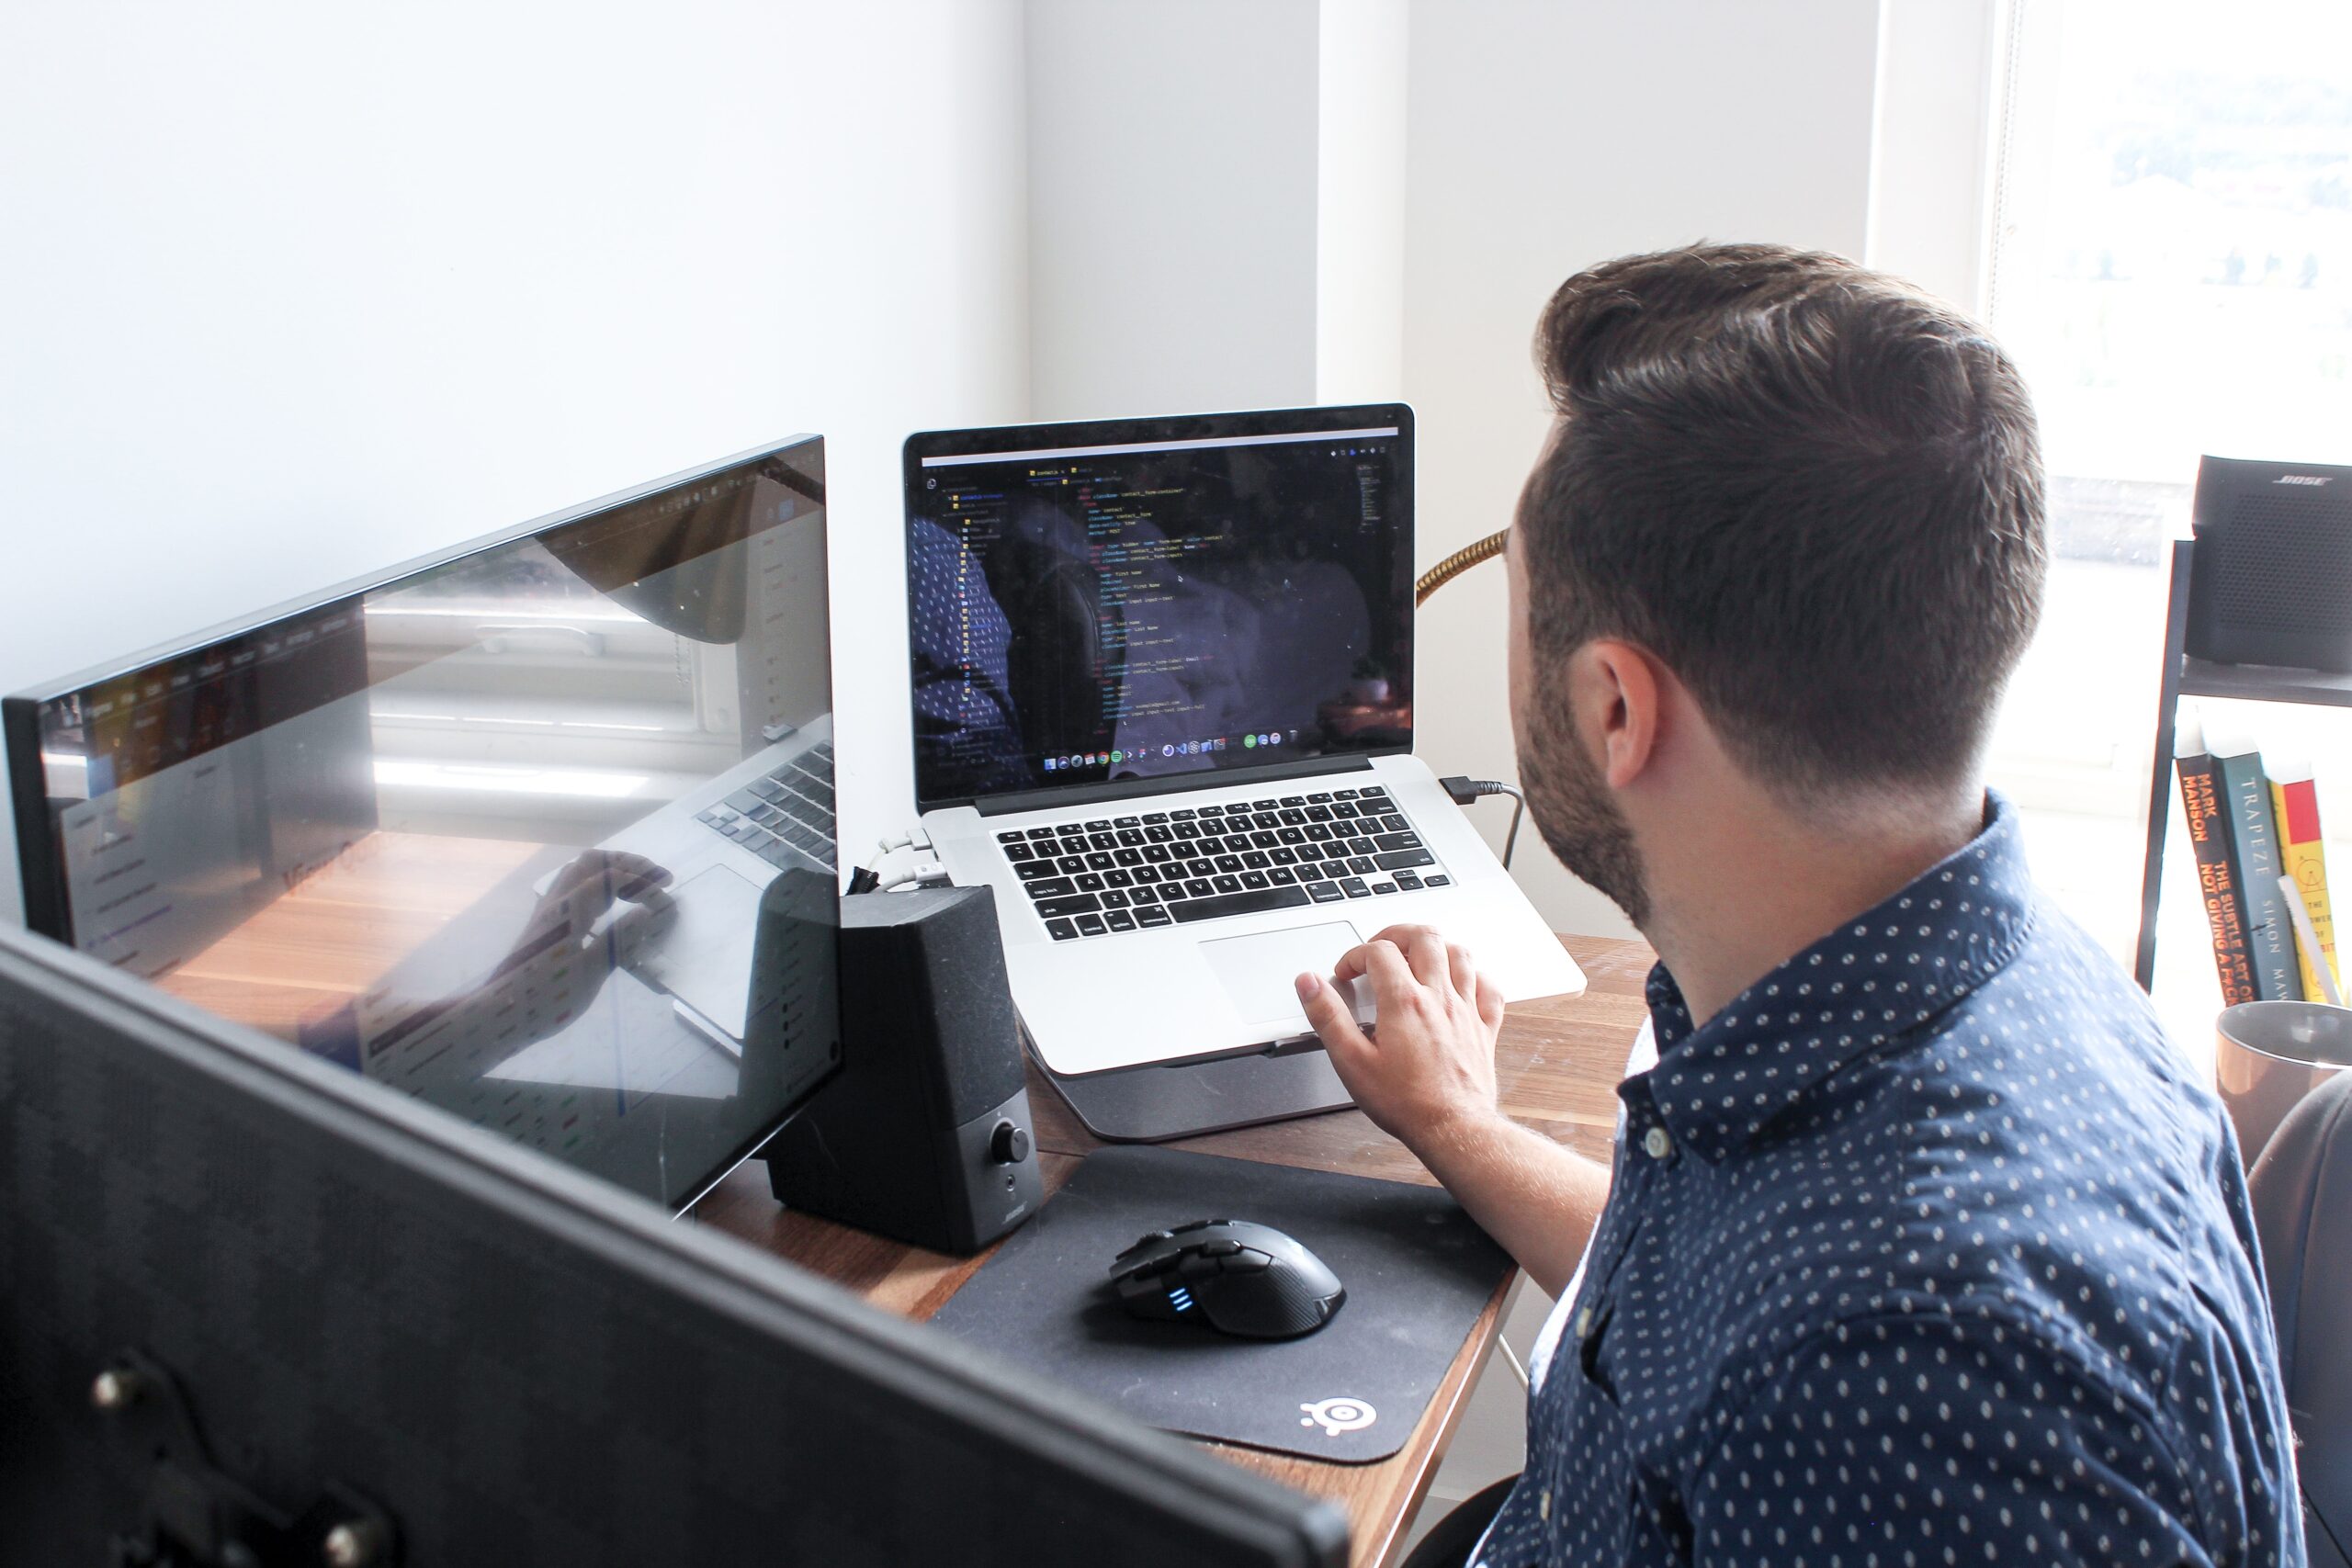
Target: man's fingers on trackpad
1329, 1009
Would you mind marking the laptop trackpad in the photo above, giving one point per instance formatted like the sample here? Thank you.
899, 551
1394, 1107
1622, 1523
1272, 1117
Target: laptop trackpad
1260, 973
705, 959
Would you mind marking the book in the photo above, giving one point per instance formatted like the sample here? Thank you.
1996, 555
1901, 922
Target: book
2294, 803
2254, 861
2200, 801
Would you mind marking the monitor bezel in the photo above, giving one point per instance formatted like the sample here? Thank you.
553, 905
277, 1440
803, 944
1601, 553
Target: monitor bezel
39, 872
1011, 438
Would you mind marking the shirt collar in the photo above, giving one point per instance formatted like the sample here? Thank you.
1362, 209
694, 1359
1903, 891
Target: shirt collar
1878, 975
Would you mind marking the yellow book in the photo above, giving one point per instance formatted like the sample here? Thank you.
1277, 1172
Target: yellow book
2296, 803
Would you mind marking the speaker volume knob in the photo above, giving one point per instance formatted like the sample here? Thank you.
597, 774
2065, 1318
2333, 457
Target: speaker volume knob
1009, 1145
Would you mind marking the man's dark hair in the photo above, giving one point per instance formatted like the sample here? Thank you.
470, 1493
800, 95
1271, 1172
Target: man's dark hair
1814, 491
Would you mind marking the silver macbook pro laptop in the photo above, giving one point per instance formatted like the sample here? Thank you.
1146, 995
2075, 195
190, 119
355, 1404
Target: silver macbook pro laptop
1163, 703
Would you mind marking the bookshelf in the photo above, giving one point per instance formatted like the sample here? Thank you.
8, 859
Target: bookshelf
2187, 677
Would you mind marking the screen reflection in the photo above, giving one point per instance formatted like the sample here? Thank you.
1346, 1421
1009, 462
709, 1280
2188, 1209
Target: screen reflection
541, 834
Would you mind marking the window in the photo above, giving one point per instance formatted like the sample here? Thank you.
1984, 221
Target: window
2171, 265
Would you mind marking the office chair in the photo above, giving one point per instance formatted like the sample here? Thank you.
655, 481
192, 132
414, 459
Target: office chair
1455, 1537
2303, 1210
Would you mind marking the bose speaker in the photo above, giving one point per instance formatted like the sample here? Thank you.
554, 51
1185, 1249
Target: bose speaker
2270, 578
923, 1136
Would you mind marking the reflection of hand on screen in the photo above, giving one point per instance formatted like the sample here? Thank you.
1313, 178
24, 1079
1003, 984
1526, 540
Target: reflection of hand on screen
560, 947
588, 885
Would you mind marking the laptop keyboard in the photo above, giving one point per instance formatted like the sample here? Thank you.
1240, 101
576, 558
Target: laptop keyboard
792, 806
1124, 874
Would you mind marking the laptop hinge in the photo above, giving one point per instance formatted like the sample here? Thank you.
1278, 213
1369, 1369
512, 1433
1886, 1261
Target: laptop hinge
1167, 783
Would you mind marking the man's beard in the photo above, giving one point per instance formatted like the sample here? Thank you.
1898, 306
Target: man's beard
1570, 802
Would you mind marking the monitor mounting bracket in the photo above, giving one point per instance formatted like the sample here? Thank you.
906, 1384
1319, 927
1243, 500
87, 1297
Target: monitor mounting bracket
193, 1514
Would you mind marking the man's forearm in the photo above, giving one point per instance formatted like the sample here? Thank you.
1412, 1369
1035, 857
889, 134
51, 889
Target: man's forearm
1535, 1198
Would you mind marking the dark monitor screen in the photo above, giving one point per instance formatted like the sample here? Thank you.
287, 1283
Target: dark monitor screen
539, 830
320, 1307
1134, 599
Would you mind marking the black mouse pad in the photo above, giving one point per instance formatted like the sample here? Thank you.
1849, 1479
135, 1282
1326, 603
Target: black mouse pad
1416, 1270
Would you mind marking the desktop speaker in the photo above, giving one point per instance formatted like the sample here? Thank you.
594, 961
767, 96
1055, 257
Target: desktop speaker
923, 1136
2270, 578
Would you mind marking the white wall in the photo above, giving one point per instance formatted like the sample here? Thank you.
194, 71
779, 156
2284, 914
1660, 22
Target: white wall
1362, 73
1172, 211
1544, 137
295, 291
1931, 174
300, 291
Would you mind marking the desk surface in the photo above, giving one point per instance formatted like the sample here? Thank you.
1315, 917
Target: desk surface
1558, 1065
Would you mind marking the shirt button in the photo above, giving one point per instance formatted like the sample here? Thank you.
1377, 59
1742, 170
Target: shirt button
1584, 1321
1655, 1144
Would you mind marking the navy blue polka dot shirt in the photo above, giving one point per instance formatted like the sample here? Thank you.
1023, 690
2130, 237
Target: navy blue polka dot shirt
1928, 1249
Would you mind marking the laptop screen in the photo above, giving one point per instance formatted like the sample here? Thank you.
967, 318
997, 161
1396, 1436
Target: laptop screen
1140, 599
539, 831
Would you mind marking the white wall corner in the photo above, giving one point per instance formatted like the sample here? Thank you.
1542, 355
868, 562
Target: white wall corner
1172, 205
1360, 149
1933, 117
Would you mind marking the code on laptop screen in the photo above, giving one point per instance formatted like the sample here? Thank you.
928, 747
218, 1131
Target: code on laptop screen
1134, 599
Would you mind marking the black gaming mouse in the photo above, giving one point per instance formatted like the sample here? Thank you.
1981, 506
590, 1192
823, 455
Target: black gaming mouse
1239, 1278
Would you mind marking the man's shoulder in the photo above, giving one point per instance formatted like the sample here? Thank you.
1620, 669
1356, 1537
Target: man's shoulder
2059, 1043
2035, 1158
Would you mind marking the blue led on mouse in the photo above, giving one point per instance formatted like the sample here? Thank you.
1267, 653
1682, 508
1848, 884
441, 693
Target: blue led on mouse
1250, 1280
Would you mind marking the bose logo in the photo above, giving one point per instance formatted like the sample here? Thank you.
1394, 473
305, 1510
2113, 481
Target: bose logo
2300, 479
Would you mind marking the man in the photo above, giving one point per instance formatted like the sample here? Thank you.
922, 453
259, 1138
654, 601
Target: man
1921, 1245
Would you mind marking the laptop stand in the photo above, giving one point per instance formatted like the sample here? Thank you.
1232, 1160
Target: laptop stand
1153, 1103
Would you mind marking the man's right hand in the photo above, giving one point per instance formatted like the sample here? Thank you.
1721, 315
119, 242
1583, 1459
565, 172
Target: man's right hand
1426, 1074
1428, 1067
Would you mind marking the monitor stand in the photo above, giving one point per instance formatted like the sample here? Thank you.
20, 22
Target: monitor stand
1151, 1104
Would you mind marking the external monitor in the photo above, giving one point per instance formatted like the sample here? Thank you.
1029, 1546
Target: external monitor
260, 1311
1128, 599
538, 830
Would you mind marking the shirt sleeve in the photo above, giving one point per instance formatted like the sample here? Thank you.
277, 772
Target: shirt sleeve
1938, 1439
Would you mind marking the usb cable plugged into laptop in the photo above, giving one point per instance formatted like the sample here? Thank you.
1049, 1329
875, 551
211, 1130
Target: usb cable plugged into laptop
868, 878
1465, 789
930, 875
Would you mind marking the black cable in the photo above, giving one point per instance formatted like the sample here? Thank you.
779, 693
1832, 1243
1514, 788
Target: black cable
1464, 789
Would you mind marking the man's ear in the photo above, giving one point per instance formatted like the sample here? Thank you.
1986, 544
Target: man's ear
1619, 690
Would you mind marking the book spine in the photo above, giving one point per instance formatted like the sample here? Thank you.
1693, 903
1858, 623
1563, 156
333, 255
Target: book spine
2254, 844
2201, 799
2295, 805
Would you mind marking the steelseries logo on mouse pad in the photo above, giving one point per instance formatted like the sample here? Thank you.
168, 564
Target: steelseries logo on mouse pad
1338, 1415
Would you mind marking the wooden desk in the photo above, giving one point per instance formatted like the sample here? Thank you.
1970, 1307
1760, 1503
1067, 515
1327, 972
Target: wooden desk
328, 940
1559, 1064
